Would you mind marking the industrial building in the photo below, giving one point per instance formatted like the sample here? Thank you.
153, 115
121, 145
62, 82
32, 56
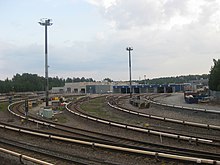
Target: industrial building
116, 87
84, 88
153, 88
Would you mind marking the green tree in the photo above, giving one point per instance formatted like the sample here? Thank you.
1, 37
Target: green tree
108, 80
76, 79
83, 79
28, 82
6, 86
69, 80
177, 79
56, 82
214, 79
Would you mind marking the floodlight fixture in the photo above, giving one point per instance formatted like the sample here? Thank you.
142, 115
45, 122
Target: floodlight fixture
45, 22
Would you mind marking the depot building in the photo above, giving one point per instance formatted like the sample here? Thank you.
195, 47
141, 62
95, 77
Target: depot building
84, 88
116, 87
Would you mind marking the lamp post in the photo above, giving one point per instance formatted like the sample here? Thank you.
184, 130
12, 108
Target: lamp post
46, 22
129, 49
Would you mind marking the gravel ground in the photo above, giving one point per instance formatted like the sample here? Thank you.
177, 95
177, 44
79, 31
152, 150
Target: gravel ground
180, 114
105, 155
178, 99
195, 116
140, 136
120, 158
86, 151
8, 161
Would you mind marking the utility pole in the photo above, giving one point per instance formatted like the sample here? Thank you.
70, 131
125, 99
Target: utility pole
46, 22
145, 81
129, 49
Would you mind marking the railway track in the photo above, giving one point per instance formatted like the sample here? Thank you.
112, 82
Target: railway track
50, 155
187, 108
16, 157
128, 146
99, 120
84, 133
79, 112
206, 127
117, 148
135, 144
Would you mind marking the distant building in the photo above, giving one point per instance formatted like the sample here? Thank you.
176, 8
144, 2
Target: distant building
84, 88
123, 87
148, 88
57, 90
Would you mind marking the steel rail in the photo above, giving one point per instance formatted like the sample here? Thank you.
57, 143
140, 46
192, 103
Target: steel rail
159, 133
58, 155
140, 129
184, 107
118, 148
202, 125
108, 123
29, 119
136, 144
59, 127
24, 157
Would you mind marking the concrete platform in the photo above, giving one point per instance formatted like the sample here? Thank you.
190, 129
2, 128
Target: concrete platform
178, 99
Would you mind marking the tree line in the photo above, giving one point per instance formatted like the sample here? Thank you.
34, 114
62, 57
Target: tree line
175, 80
32, 82
214, 80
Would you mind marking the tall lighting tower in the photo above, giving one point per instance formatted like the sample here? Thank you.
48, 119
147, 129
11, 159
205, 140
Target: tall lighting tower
46, 22
129, 49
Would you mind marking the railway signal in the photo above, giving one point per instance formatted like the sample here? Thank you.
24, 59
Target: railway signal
10, 99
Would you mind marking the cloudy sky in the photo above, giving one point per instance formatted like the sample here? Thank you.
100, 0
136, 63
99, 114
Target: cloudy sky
88, 38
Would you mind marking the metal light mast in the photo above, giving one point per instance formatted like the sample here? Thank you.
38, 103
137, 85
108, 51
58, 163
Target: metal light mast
129, 49
46, 22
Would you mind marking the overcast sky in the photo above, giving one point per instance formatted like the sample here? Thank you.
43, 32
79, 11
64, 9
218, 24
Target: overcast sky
88, 38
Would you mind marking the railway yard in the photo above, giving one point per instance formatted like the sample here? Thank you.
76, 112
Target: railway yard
108, 129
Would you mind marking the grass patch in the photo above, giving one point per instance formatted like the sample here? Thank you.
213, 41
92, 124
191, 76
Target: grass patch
61, 119
95, 107
3, 106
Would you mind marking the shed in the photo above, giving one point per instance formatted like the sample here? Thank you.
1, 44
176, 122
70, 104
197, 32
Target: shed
48, 113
